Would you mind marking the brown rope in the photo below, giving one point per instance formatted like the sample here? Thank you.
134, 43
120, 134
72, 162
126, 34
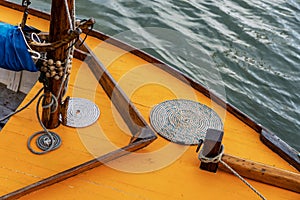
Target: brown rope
46, 47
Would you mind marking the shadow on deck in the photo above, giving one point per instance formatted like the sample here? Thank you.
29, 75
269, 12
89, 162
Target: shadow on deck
9, 102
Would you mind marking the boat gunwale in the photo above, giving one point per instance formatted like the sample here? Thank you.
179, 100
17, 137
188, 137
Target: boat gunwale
276, 144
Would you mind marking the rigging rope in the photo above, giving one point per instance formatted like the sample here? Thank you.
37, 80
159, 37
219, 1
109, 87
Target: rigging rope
21, 109
45, 131
68, 15
217, 159
242, 179
70, 50
34, 54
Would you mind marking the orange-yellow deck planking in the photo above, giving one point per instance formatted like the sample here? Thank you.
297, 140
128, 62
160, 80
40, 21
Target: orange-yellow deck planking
160, 171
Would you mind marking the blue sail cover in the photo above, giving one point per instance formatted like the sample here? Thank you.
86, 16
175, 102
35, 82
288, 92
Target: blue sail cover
14, 54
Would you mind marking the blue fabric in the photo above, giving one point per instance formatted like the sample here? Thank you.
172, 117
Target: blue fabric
13, 50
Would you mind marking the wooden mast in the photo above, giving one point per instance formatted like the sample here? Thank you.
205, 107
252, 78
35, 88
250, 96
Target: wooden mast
62, 11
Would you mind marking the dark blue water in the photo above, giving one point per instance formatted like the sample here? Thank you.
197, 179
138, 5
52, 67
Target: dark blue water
253, 46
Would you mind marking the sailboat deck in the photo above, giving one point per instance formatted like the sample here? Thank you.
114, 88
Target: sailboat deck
162, 170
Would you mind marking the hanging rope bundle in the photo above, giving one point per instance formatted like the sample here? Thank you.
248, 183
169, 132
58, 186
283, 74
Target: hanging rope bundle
48, 140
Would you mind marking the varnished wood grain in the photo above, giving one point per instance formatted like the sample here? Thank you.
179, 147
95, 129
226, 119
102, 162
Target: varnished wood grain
77, 169
263, 173
142, 133
60, 24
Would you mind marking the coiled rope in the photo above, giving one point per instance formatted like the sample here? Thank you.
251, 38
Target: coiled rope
217, 159
61, 92
54, 102
45, 131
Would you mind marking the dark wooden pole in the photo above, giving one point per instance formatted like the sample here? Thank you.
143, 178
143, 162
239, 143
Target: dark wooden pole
59, 28
132, 117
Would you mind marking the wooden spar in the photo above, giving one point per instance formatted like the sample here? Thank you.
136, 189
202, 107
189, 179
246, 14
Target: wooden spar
77, 169
59, 26
263, 173
137, 125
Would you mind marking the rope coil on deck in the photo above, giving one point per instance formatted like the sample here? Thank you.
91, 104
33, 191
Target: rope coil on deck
51, 140
80, 113
184, 121
38, 48
187, 122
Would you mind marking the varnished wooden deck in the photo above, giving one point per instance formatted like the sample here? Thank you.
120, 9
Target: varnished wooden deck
160, 171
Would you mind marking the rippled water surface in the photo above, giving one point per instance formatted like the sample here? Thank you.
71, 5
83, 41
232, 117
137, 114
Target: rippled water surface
252, 47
